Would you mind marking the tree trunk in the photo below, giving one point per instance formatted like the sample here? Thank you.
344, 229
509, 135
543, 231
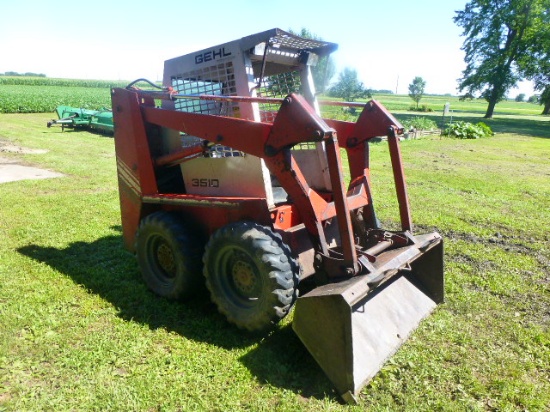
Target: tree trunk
490, 109
545, 100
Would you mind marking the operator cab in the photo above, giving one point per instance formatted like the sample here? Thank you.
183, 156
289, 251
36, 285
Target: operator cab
273, 63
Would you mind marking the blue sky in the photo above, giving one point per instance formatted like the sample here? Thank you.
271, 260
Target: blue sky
387, 42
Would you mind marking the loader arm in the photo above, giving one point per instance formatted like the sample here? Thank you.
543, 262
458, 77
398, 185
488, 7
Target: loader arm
297, 122
374, 121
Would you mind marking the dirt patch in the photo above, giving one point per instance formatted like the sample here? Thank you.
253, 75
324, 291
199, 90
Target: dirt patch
12, 169
10, 148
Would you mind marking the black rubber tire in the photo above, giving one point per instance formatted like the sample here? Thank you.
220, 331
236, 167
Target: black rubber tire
169, 256
251, 275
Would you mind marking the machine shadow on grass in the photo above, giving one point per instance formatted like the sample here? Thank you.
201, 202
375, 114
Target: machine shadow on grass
104, 268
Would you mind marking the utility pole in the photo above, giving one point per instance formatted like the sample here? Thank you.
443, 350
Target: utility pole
397, 84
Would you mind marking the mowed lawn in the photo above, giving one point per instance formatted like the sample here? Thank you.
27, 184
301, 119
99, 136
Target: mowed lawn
80, 331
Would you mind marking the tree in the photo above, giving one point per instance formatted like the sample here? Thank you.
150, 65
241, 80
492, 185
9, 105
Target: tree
535, 63
325, 69
279, 85
496, 32
349, 87
416, 89
544, 99
533, 99
520, 97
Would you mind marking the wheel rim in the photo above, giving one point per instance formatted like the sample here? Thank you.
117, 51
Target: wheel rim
161, 256
239, 277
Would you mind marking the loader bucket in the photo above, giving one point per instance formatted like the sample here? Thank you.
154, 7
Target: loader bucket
351, 329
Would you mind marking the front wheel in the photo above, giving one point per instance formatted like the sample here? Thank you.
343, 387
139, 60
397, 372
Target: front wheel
251, 275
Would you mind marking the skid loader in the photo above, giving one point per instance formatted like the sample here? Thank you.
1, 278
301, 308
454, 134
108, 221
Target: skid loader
229, 176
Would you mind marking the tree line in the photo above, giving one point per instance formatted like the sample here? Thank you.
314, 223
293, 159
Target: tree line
28, 74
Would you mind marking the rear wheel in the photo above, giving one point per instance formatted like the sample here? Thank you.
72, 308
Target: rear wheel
169, 256
251, 275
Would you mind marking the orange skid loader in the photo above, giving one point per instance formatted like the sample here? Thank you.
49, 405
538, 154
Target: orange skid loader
229, 176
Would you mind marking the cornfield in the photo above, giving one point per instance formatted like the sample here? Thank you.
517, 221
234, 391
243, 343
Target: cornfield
43, 95
46, 81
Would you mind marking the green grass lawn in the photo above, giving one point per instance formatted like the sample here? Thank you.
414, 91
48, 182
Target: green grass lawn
80, 331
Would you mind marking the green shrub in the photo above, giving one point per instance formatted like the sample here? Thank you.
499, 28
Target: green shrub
466, 130
424, 108
486, 129
419, 123
347, 114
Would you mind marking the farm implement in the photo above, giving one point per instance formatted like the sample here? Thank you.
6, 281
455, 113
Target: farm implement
229, 177
78, 118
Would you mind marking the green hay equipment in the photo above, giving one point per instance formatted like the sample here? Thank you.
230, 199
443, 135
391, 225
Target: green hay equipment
78, 118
